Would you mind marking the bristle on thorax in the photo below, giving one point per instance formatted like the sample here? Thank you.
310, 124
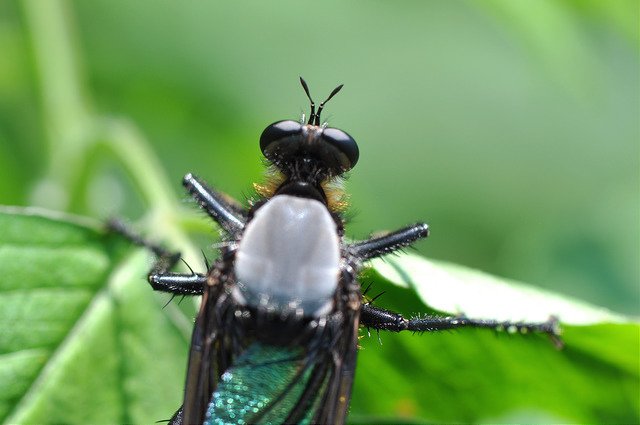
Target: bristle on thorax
333, 188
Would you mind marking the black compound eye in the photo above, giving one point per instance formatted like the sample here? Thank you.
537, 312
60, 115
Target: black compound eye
276, 133
344, 144
285, 142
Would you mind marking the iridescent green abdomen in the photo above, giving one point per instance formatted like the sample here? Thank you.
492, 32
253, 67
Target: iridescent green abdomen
263, 386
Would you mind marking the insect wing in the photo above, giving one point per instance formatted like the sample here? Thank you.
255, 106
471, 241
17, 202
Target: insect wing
335, 402
266, 383
209, 355
285, 384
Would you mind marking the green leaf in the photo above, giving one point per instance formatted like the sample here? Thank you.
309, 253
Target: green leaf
453, 289
85, 340
478, 376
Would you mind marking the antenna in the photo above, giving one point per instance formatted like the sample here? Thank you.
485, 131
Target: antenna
314, 118
333, 93
313, 105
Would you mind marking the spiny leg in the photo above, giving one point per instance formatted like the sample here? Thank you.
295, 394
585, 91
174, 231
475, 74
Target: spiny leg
160, 278
225, 212
378, 246
178, 283
177, 418
381, 319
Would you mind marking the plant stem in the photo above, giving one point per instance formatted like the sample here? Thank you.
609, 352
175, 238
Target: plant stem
65, 110
74, 130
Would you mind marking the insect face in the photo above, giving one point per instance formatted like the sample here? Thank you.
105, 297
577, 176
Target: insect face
311, 148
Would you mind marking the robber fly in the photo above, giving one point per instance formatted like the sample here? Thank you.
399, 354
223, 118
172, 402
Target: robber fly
276, 336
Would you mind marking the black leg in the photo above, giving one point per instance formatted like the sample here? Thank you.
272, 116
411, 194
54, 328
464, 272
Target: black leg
178, 283
376, 247
381, 319
160, 278
177, 417
226, 213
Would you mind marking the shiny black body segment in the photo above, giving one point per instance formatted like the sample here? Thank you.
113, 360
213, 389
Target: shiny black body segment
307, 157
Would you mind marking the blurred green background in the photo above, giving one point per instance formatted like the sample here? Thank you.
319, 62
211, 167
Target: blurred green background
510, 127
